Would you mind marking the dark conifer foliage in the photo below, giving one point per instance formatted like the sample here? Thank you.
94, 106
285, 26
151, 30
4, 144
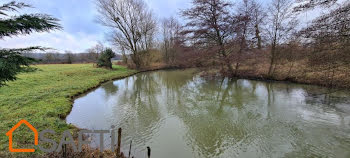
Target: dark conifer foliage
12, 61
105, 58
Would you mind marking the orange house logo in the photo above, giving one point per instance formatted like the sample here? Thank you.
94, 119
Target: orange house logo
10, 132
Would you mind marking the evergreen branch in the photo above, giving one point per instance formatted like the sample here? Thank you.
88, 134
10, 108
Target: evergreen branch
12, 62
25, 50
10, 53
12, 6
26, 24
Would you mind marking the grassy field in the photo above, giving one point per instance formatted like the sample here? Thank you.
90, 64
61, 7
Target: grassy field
44, 98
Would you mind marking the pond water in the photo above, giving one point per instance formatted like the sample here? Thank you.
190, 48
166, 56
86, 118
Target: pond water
181, 115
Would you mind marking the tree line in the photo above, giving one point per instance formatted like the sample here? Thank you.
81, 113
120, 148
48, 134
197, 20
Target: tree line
91, 55
234, 38
237, 38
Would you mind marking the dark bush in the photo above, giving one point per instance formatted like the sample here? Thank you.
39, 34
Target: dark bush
104, 59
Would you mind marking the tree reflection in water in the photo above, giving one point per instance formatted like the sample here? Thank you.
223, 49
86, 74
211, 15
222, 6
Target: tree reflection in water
180, 114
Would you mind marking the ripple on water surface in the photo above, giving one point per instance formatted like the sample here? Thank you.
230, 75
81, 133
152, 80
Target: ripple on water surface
180, 114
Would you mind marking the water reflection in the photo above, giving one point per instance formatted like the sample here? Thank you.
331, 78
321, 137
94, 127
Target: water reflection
179, 114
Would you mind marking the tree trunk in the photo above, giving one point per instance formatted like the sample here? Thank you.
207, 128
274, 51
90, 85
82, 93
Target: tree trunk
257, 35
230, 69
125, 58
228, 63
272, 60
136, 60
236, 68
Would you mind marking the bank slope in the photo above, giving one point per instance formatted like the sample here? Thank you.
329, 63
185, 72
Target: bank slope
44, 97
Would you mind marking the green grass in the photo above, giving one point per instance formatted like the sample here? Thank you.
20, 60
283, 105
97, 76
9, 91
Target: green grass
44, 97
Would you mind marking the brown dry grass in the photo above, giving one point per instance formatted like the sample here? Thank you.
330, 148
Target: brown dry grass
300, 73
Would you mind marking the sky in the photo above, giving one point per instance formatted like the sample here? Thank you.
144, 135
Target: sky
78, 18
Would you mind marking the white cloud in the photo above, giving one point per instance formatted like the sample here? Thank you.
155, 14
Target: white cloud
59, 40
167, 8
77, 18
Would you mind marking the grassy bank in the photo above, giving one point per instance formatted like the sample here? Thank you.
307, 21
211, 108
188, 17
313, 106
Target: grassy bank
44, 98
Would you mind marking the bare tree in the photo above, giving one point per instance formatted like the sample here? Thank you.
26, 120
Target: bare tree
69, 57
244, 31
148, 30
124, 56
258, 16
171, 32
132, 23
329, 39
210, 26
93, 53
281, 23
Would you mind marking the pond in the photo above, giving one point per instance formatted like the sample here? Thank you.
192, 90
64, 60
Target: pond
182, 115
